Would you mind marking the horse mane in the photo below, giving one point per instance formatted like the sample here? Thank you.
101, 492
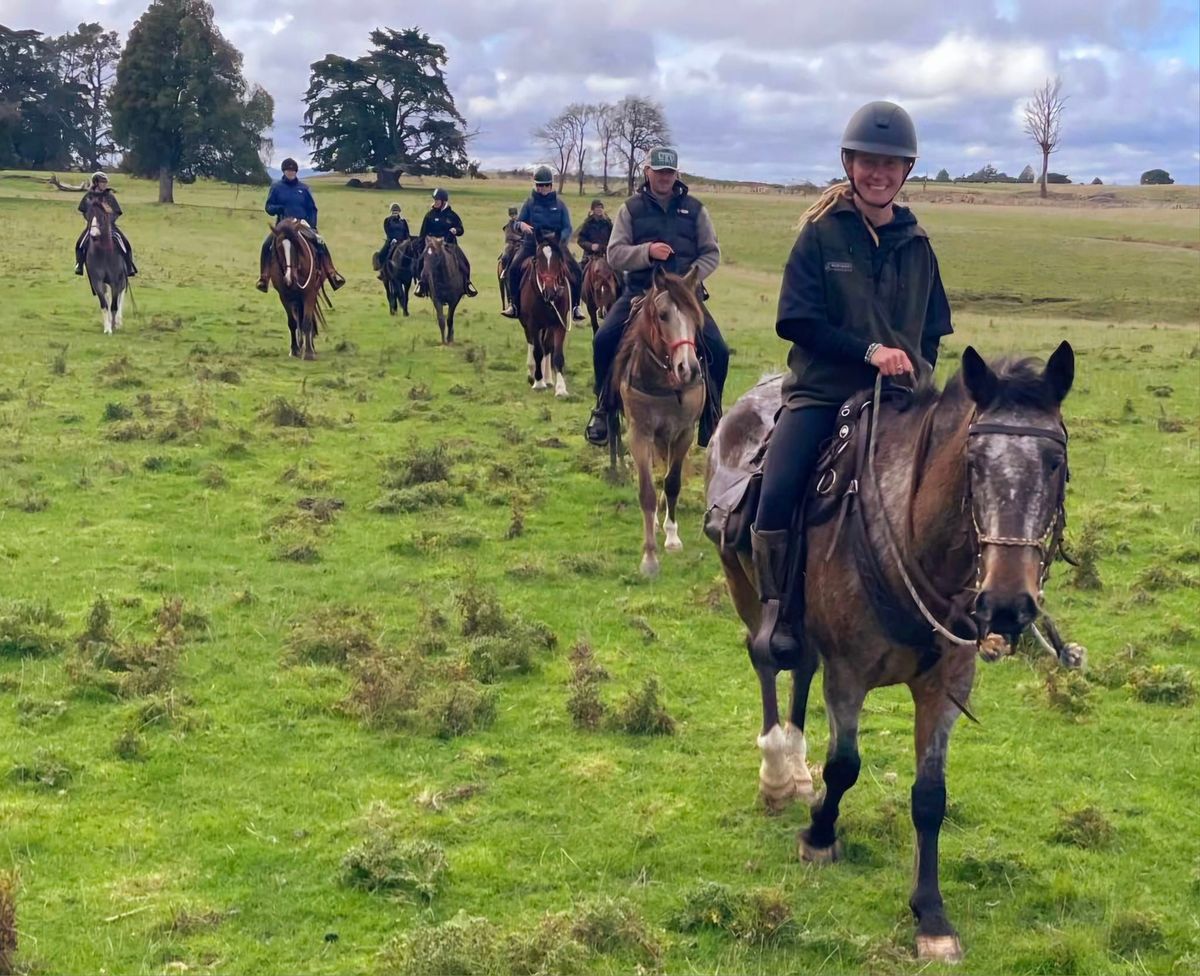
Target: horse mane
1021, 384
646, 313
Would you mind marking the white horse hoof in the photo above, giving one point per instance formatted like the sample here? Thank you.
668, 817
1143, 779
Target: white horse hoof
820, 855
649, 567
939, 948
561, 394
674, 544
1074, 656
539, 385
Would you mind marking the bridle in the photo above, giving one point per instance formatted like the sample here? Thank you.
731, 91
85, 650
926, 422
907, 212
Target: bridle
656, 339
558, 278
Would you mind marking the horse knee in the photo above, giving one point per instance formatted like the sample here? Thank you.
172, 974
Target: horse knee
841, 772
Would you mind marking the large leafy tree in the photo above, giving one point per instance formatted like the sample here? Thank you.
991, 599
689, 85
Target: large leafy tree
180, 103
389, 111
86, 61
38, 111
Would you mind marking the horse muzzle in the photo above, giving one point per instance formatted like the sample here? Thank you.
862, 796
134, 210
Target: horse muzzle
1008, 614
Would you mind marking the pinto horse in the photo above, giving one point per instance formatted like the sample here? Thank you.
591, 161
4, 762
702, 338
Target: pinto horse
599, 288
661, 387
398, 274
105, 264
546, 316
443, 279
298, 275
956, 516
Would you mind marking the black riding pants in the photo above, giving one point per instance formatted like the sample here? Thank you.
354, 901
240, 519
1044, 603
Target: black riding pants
516, 271
792, 456
608, 337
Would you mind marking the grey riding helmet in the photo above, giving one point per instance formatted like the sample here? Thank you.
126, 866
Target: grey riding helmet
883, 128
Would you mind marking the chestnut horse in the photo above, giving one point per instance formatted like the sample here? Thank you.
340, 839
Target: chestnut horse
661, 387
443, 279
298, 276
956, 517
105, 264
546, 316
599, 288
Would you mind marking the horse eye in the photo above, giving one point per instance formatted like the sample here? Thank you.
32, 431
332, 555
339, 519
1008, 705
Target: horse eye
1056, 462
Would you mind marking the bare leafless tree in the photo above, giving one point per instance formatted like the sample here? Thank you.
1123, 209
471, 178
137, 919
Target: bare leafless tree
606, 135
1043, 120
557, 136
577, 118
640, 126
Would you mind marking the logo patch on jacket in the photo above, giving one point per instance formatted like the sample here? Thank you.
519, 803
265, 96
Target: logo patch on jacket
682, 211
842, 266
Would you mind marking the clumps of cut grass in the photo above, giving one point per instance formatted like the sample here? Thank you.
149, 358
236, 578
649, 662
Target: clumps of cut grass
188, 920
10, 883
1135, 933
1087, 828
516, 524
131, 746
436, 494
31, 502
757, 915
466, 945
116, 411
33, 710
402, 690
120, 373
421, 465
335, 635
1176, 634
46, 770
1086, 553
993, 868
29, 629
498, 642
584, 704
1169, 425
1163, 576
607, 925
1171, 684
641, 712
382, 861
283, 413
212, 476
1114, 672
426, 542
420, 392
457, 707
1068, 692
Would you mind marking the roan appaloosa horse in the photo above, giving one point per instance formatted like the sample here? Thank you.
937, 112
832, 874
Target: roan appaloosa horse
960, 507
661, 387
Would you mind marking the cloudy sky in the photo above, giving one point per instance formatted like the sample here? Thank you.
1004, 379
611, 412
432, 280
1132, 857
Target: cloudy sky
760, 89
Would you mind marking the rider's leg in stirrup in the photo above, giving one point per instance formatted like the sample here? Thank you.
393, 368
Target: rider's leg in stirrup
263, 257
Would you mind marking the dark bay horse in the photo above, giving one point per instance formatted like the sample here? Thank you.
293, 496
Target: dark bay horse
444, 284
661, 387
962, 507
398, 274
546, 316
298, 276
502, 262
599, 288
105, 264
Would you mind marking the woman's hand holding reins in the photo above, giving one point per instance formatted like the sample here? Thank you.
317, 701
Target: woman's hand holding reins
890, 361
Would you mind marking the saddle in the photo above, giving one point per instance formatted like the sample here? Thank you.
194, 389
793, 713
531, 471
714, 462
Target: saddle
834, 485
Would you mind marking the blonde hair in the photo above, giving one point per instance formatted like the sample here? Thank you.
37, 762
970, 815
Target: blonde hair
830, 198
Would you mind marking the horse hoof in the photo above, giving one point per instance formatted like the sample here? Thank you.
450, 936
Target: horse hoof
539, 386
939, 948
674, 545
993, 647
1074, 656
650, 568
561, 394
820, 855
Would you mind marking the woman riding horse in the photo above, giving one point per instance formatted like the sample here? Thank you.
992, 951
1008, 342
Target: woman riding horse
100, 193
861, 295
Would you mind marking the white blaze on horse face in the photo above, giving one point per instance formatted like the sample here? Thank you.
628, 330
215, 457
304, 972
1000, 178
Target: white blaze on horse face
287, 260
546, 253
680, 333
94, 229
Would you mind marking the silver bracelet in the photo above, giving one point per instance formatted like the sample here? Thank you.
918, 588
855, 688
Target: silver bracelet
871, 350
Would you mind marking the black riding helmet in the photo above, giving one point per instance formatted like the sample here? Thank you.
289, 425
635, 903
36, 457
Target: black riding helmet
440, 194
543, 175
882, 128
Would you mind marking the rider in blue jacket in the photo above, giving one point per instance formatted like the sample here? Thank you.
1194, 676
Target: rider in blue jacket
289, 197
544, 220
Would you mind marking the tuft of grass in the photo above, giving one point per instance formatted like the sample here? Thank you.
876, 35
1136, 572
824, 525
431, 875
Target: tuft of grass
130, 746
116, 411
1163, 576
757, 916
420, 466
1171, 684
607, 925
283, 413
47, 770
385, 862
333, 635
641, 713
31, 502
386, 690
436, 494
30, 629
466, 945
1068, 692
10, 883
1134, 933
456, 707
1086, 552
584, 704
212, 476
1086, 827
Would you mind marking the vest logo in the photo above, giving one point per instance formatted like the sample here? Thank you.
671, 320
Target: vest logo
682, 211
842, 266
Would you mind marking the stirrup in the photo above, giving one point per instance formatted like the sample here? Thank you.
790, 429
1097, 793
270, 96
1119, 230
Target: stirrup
510, 312
261, 285
596, 431
472, 292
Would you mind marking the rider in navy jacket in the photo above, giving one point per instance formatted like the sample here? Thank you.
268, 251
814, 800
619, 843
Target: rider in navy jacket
544, 220
289, 197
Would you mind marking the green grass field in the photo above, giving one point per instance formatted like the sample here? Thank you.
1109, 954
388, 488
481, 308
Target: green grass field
350, 741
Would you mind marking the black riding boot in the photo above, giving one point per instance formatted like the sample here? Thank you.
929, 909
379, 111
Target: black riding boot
596, 431
263, 272
776, 640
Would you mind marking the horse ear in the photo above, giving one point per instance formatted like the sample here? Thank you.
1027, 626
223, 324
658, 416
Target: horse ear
978, 377
692, 278
1060, 371
660, 277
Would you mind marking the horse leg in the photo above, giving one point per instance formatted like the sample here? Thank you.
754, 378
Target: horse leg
117, 297
402, 287
844, 696
450, 322
559, 361
293, 327
105, 310
389, 289
935, 717
671, 485
539, 361
642, 449
308, 327
529, 357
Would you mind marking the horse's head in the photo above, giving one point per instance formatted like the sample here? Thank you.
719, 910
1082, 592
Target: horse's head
1016, 478
549, 268
99, 219
677, 318
435, 247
